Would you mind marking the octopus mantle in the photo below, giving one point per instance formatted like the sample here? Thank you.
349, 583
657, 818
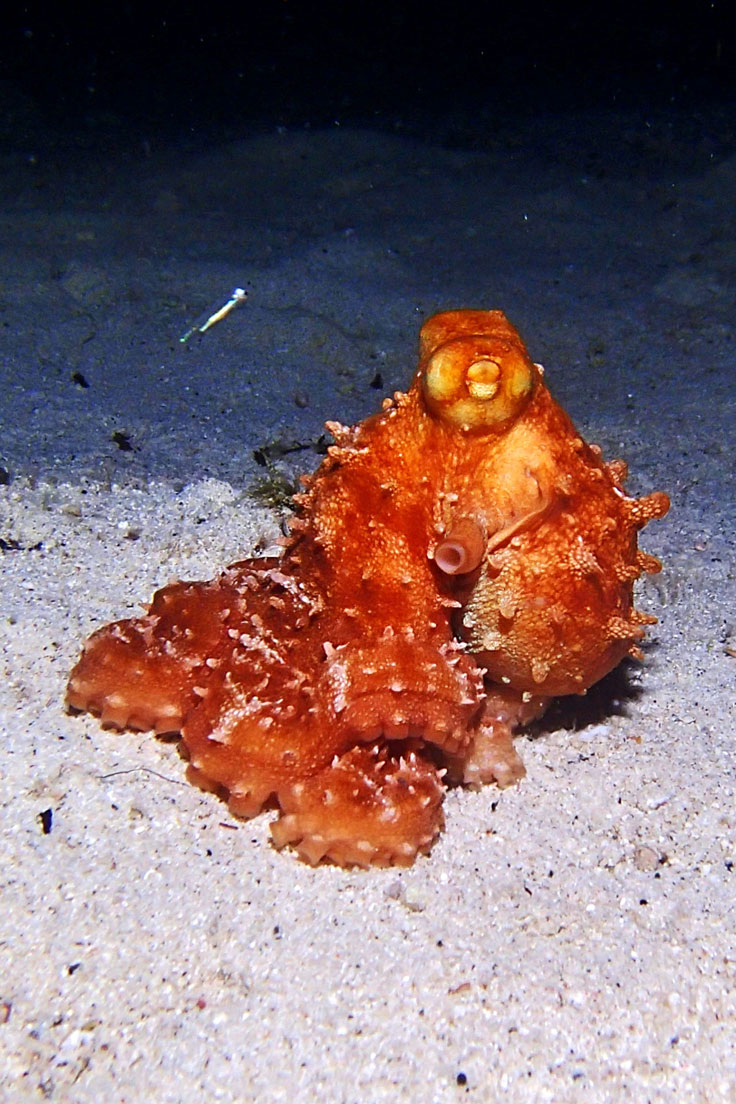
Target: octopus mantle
457, 560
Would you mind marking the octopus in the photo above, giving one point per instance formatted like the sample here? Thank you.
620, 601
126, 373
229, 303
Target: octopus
458, 560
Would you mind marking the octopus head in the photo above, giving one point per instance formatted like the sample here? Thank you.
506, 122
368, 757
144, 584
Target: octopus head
475, 372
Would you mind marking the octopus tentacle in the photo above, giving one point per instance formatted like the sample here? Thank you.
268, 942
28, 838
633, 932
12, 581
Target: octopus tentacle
144, 672
398, 687
491, 756
256, 730
371, 807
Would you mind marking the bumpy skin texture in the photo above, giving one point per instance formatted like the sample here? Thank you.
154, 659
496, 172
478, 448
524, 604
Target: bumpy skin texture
456, 561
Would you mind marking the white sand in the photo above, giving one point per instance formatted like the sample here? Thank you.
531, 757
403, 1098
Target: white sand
571, 939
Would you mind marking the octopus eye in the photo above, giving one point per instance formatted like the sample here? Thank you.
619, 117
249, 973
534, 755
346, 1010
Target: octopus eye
484, 379
477, 379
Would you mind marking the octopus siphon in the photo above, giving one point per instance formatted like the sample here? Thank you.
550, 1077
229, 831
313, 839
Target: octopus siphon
458, 560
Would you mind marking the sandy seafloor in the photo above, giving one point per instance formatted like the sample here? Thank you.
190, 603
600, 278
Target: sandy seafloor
573, 938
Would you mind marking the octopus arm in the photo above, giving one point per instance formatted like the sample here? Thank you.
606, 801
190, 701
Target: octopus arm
491, 755
260, 728
370, 807
144, 672
401, 687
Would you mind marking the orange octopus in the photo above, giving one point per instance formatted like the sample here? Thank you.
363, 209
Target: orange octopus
456, 561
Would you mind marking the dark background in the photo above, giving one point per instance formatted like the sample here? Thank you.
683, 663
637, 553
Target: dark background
193, 67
